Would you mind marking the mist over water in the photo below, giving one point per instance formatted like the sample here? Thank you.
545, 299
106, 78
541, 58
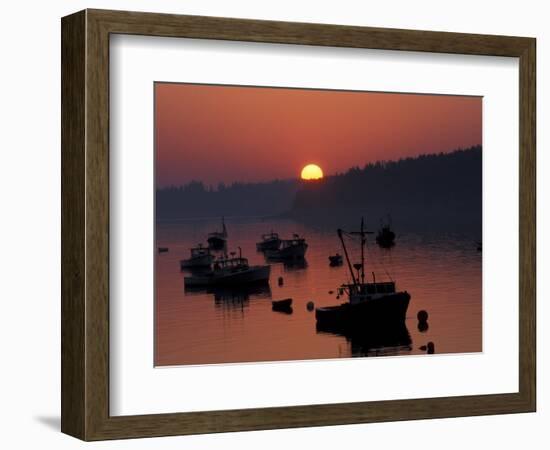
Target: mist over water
441, 271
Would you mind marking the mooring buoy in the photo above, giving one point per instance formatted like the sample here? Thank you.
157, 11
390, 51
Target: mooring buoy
423, 327
422, 315
430, 348
310, 305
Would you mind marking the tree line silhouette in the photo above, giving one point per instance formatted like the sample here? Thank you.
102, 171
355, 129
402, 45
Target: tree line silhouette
436, 189
195, 199
432, 189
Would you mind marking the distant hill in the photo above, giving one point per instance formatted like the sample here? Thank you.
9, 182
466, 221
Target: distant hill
429, 191
196, 200
426, 191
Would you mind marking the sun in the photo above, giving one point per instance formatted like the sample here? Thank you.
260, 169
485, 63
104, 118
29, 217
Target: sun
312, 172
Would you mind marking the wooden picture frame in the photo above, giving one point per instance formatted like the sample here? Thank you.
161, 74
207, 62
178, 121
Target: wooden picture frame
85, 224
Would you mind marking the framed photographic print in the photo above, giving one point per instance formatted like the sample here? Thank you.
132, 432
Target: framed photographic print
271, 224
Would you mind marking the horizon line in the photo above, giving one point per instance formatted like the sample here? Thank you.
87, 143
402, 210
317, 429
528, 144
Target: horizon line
298, 179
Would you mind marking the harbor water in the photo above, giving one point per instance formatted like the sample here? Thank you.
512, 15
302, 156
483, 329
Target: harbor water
442, 272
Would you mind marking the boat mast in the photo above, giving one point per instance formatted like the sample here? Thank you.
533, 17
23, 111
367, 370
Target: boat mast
363, 235
340, 235
362, 252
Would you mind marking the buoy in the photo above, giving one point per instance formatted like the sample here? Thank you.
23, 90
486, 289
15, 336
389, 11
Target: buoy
430, 348
330, 292
281, 281
422, 316
423, 327
310, 305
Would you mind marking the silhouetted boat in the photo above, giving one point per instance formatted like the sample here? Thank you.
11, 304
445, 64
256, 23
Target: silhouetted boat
369, 303
479, 246
270, 241
200, 257
385, 237
229, 271
281, 304
289, 249
218, 239
335, 260
163, 249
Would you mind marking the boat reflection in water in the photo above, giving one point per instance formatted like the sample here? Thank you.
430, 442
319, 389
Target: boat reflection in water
288, 249
298, 264
288, 265
233, 297
381, 340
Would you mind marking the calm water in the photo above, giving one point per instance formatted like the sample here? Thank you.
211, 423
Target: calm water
442, 272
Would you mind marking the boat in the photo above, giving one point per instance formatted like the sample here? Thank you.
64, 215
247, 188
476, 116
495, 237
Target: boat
280, 304
270, 241
229, 271
163, 249
385, 237
336, 260
289, 249
479, 246
369, 302
218, 239
284, 306
200, 257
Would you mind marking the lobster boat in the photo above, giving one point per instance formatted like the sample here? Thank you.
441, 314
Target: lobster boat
368, 301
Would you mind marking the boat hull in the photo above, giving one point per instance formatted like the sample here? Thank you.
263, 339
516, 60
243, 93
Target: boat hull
335, 261
390, 308
272, 244
386, 239
241, 277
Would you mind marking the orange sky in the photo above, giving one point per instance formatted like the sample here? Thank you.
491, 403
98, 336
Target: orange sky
229, 133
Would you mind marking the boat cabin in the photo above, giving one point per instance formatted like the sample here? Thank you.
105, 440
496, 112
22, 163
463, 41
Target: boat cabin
292, 242
365, 291
270, 236
199, 251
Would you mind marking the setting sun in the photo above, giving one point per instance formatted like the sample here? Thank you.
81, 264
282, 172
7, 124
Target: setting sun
312, 172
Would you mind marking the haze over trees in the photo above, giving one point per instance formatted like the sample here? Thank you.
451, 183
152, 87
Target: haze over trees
428, 190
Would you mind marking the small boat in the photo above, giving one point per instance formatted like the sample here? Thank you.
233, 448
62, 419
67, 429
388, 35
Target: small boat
281, 304
218, 239
369, 303
289, 249
200, 257
385, 237
284, 306
335, 260
229, 271
270, 241
163, 249
479, 246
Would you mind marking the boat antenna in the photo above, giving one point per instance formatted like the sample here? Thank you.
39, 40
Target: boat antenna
340, 235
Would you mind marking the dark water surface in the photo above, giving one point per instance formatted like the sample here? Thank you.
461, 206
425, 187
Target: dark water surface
441, 271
